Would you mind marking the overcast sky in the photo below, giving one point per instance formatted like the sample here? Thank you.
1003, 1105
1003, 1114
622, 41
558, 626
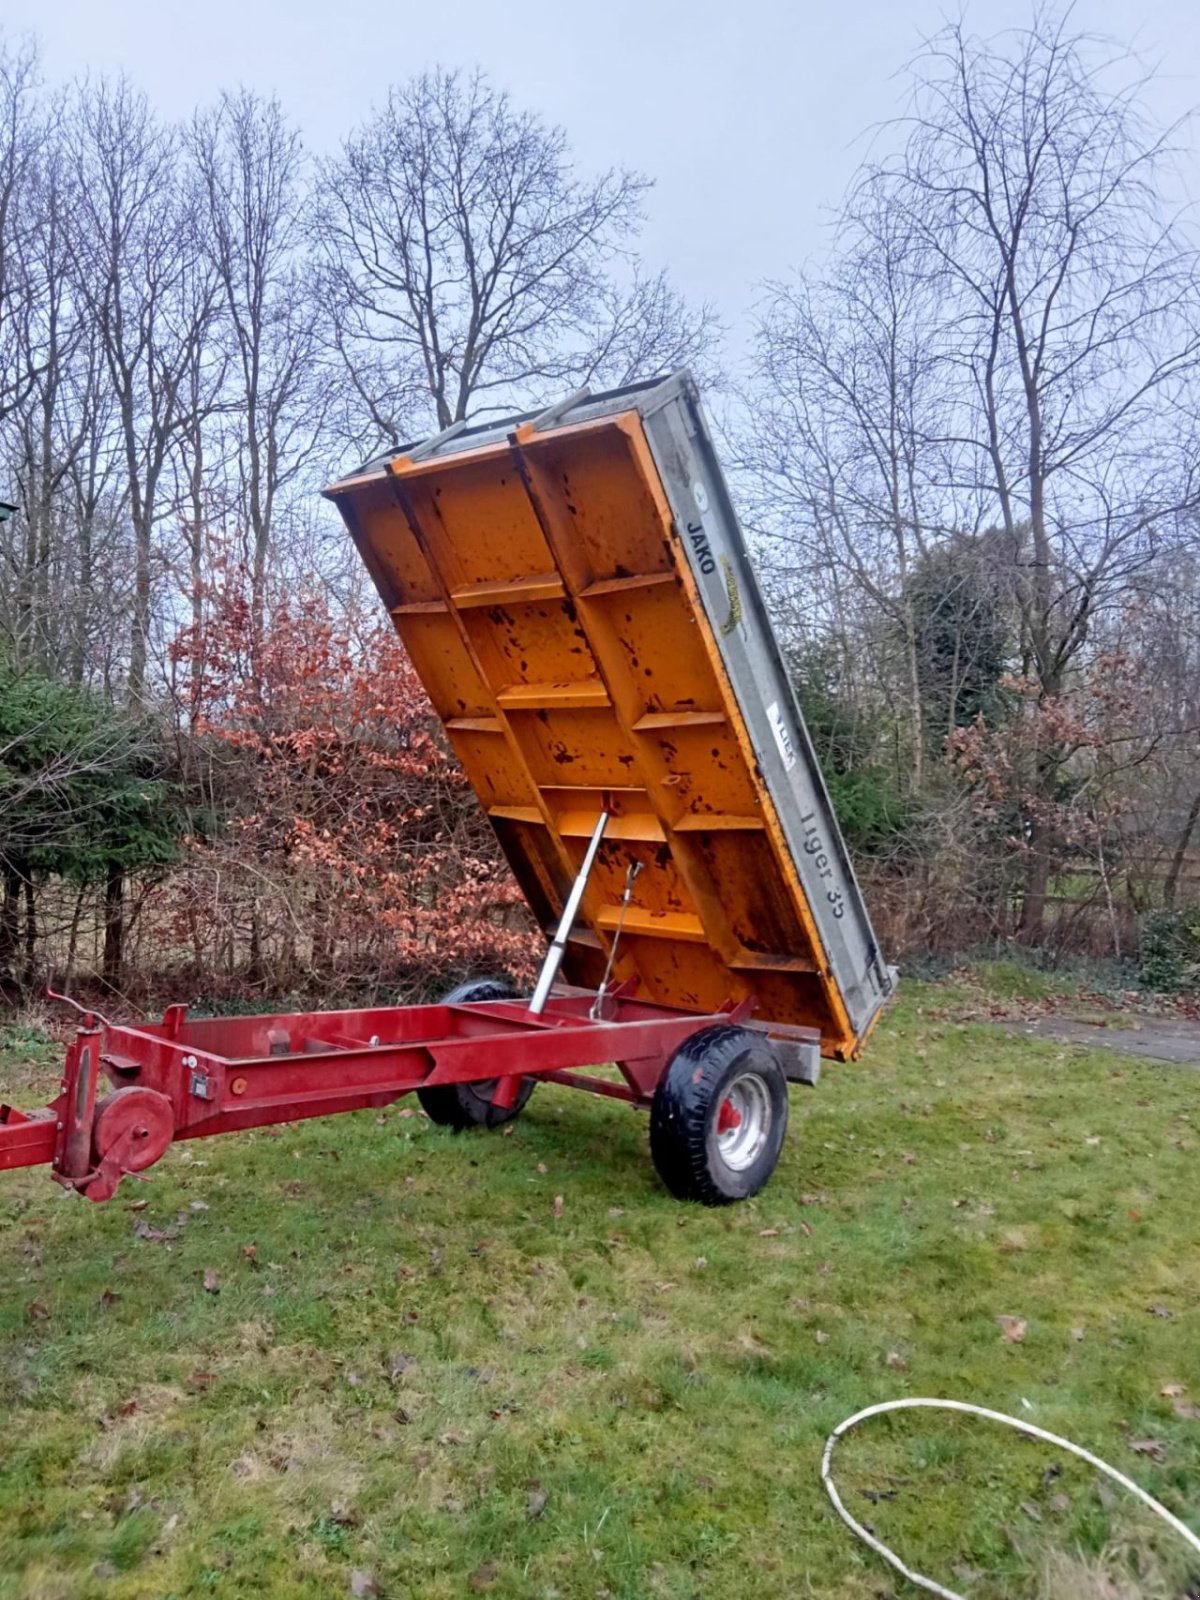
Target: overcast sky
749, 114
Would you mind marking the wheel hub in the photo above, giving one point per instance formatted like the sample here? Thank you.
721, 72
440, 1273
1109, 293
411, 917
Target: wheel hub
743, 1122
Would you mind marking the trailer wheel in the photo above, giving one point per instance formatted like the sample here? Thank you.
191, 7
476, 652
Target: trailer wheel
469, 1105
719, 1116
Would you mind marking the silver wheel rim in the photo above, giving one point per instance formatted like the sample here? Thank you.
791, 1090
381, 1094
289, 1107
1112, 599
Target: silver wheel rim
743, 1122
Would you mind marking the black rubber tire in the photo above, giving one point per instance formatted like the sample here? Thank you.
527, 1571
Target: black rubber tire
469, 1105
684, 1141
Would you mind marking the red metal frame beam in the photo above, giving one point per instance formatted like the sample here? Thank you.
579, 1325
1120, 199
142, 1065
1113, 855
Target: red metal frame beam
187, 1080
27, 1138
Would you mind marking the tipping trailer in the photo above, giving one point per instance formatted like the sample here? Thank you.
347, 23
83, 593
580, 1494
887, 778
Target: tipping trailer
575, 594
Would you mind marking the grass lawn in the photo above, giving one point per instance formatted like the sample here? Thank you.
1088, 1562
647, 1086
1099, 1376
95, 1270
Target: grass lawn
408, 1375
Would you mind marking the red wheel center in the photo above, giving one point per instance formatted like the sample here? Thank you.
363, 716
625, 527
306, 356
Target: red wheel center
728, 1118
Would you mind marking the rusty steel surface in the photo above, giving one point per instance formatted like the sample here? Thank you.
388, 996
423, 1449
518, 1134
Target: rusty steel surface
549, 600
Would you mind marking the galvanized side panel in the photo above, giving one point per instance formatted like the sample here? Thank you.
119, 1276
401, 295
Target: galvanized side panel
691, 475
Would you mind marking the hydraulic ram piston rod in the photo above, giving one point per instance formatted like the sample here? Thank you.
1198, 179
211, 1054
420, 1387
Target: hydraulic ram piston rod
558, 945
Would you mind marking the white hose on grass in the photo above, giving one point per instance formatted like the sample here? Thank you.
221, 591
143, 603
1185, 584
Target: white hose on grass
1026, 1428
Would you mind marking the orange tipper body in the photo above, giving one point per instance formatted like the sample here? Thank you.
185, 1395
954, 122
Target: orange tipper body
576, 596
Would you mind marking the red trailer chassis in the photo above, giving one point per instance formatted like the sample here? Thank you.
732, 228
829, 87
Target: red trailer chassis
127, 1093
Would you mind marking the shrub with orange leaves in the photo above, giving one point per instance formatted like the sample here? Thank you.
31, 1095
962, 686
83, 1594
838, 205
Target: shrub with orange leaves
342, 848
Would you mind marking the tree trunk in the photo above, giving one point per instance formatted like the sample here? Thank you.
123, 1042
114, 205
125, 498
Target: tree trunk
254, 971
10, 915
916, 710
1171, 882
1032, 926
73, 936
114, 924
31, 932
140, 622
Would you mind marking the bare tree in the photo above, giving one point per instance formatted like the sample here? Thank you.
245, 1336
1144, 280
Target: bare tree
1009, 340
1072, 311
23, 132
467, 265
143, 280
252, 172
62, 446
847, 472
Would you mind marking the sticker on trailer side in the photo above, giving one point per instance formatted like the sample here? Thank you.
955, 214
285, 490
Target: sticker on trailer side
782, 737
711, 565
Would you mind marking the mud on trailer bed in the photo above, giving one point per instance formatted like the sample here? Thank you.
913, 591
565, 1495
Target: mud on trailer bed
575, 594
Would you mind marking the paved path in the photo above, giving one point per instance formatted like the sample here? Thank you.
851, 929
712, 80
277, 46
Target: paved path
1157, 1038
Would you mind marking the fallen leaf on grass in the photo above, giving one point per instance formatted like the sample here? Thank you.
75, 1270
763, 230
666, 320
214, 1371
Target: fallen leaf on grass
363, 1585
1186, 1410
108, 1299
137, 1205
1173, 1390
821, 1336
1161, 1311
1154, 1448
36, 1311
558, 1205
805, 1229
768, 1233
484, 1576
401, 1362
212, 1284
250, 1251
153, 1235
201, 1380
1012, 1329
452, 1436
126, 1410
896, 1361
